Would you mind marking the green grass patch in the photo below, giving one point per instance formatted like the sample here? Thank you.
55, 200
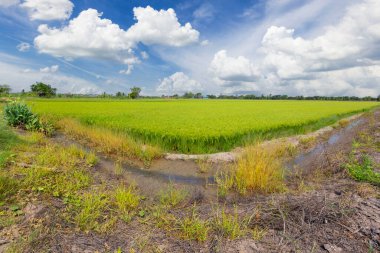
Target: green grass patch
362, 169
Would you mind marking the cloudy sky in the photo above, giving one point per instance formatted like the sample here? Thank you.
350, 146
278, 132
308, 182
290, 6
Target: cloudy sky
294, 47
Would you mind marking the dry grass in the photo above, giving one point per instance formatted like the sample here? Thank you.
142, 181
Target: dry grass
258, 170
109, 142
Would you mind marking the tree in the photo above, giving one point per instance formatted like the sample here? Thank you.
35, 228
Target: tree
188, 95
378, 98
198, 95
4, 89
43, 90
135, 92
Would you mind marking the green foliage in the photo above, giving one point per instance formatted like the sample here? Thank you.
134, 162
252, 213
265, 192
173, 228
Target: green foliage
202, 126
194, 228
126, 199
8, 187
43, 90
172, 196
135, 92
20, 115
362, 169
4, 89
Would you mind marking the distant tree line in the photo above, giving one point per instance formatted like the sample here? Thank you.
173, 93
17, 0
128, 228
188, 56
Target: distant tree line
40, 89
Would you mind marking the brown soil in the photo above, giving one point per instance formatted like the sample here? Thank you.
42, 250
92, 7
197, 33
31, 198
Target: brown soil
323, 211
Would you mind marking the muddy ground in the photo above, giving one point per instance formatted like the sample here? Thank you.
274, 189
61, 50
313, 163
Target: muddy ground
324, 210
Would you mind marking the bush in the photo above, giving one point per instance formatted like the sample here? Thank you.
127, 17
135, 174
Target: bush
19, 115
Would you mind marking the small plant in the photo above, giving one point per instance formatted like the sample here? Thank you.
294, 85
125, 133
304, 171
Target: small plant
203, 165
363, 170
8, 187
172, 196
194, 228
225, 182
92, 207
126, 199
230, 225
258, 233
118, 168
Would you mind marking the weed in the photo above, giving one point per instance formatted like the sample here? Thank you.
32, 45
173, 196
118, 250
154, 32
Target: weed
258, 233
225, 182
308, 140
363, 170
172, 196
194, 228
204, 165
92, 207
126, 199
8, 187
230, 225
118, 168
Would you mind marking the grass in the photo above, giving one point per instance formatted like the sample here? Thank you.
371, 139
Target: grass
172, 196
194, 228
258, 170
109, 142
196, 126
8, 139
362, 169
230, 225
126, 199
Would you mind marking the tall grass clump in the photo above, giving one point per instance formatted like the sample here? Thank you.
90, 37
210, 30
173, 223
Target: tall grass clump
257, 170
108, 141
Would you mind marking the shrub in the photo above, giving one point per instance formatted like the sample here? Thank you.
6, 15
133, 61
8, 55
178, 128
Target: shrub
19, 115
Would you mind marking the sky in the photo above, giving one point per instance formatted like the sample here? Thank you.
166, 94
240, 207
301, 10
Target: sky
166, 47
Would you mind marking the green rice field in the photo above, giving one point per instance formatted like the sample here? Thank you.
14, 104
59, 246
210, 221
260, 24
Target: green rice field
201, 126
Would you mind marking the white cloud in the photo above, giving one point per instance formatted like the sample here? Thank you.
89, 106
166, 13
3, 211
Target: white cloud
51, 69
7, 3
48, 9
23, 47
178, 83
230, 69
144, 55
127, 71
88, 35
161, 27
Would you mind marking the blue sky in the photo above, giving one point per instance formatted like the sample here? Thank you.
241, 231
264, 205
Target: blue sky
294, 47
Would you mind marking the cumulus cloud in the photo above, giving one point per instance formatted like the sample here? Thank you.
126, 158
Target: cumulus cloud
178, 83
232, 69
51, 69
48, 9
89, 35
7, 3
23, 47
161, 27
355, 37
342, 59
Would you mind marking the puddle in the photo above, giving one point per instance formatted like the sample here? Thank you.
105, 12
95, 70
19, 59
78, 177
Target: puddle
161, 174
158, 175
320, 148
